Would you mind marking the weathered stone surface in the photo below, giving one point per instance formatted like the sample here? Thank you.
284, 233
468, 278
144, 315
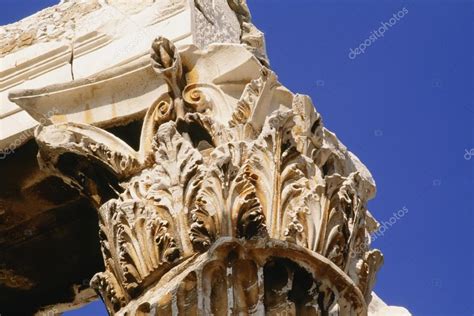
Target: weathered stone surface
227, 156
218, 190
378, 308
80, 38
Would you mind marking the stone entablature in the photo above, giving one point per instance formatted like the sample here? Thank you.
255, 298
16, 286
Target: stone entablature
78, 39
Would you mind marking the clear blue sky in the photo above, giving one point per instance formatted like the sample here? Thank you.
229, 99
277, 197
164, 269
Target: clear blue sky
405, 107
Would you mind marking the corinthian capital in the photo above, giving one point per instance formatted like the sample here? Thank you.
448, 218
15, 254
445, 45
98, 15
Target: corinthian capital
231, 197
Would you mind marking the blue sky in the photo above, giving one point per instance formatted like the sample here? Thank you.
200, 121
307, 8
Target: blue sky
405, 107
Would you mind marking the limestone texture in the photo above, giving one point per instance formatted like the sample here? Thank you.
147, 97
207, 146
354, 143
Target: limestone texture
214, 189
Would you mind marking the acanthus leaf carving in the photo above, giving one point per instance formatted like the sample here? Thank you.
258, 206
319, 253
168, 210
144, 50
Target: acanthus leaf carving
274, 163
144, 231
226, 204
366, 270
178, 174
255, 101
144, 243
308, 128
107, 286
136, 242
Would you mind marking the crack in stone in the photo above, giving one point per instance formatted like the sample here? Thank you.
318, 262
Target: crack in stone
71, 59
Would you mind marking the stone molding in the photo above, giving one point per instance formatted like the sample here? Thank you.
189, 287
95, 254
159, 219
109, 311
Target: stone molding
77, 39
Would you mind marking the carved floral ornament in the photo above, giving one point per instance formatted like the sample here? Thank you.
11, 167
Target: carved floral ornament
238, 200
